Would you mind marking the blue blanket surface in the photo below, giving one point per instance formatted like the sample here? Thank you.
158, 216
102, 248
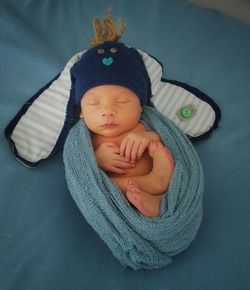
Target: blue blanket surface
45, 243
135, 240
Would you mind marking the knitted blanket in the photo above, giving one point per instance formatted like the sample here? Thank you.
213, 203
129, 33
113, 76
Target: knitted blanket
135, 240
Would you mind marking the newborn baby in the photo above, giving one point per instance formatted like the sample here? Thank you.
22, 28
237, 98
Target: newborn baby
131, 155
111, 84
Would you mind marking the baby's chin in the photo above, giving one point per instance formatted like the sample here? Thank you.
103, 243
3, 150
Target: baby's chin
113, 130
108, 133
111, 134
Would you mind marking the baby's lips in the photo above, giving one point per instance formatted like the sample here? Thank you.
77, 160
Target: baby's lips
109, 125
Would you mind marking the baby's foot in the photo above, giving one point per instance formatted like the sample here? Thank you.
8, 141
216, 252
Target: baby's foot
147, 204
163, 166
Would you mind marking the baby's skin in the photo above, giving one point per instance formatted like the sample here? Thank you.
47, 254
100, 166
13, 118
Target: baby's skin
133, 157
143, 181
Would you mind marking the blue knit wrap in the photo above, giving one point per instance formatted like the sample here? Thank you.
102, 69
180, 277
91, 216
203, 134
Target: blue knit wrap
135, 240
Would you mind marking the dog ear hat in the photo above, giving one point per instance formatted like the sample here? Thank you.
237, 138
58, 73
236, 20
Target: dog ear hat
39, 129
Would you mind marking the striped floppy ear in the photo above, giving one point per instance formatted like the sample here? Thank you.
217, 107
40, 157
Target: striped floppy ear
40, 128
196, 114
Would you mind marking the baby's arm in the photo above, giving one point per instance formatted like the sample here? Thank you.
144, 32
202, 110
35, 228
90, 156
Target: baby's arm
135, 143
109, 159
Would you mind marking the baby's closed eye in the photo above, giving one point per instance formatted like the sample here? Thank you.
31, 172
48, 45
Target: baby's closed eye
122, 101
93, 102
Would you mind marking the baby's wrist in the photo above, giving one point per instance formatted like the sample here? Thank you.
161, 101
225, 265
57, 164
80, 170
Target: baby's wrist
153, 136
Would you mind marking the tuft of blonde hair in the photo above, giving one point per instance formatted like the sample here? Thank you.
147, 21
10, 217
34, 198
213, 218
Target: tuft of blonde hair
106, 29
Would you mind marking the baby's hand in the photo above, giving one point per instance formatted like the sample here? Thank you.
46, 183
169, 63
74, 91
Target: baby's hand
134, 144
109, 159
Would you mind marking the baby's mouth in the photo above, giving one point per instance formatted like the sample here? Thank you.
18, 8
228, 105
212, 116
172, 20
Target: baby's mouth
109, 125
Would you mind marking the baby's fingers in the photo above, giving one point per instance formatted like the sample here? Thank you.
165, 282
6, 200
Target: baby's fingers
124, 164
123, 147
116, 170
138, 149
126, 147
135, 153
119, 167
141, 149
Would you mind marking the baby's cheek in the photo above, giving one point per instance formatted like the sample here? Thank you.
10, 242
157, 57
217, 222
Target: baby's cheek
88, 112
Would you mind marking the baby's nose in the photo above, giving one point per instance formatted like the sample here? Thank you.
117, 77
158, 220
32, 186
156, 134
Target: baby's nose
108, 113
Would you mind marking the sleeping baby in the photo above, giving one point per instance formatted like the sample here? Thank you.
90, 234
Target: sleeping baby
111, 84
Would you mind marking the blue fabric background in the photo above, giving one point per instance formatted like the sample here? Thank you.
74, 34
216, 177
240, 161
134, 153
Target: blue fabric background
45, 243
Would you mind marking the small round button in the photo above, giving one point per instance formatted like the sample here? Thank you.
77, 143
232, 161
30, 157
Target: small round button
100, 50
186, 112
113, 50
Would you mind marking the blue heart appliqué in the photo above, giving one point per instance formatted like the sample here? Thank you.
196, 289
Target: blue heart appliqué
107, 60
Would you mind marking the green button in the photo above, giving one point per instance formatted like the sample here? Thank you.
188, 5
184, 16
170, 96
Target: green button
186, 112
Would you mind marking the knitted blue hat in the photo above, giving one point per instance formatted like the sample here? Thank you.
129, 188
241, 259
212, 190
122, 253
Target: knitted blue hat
111, 63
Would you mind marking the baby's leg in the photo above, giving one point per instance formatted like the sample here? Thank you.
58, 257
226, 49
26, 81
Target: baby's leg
158, 180
147, 204
145, 192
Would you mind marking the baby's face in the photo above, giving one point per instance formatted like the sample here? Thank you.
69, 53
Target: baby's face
110, 110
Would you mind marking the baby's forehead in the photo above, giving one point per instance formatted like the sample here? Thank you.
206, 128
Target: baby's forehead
109, 91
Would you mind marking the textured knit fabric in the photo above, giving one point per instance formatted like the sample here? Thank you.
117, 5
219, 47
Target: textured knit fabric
110, 63
135, 240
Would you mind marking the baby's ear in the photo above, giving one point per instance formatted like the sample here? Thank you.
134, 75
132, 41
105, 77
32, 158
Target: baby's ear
195, 113
40, 128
